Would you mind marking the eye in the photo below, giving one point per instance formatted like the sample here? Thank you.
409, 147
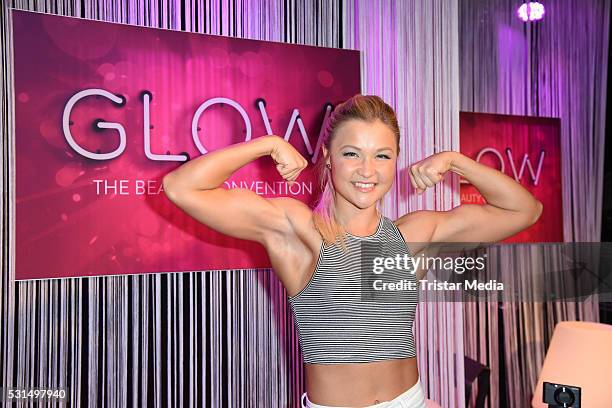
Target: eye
349, 154
384, 156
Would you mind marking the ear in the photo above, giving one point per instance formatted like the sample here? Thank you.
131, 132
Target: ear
325, 153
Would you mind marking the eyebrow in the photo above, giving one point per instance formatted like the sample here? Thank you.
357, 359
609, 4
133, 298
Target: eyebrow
356, 148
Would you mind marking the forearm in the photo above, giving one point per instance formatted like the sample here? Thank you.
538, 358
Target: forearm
210, 170
496, 188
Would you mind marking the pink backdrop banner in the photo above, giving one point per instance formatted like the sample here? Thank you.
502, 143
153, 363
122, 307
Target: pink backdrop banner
528, 149
103, 111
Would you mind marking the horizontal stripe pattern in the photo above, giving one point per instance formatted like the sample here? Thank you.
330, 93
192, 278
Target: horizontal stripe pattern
337, 322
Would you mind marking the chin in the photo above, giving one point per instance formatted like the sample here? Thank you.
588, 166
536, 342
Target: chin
362, 205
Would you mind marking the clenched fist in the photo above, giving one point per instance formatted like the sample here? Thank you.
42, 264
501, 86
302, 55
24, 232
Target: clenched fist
430, 171
289, 162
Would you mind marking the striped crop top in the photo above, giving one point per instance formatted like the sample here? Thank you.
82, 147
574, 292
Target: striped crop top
341, 319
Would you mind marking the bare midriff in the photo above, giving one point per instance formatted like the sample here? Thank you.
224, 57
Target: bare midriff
359, 385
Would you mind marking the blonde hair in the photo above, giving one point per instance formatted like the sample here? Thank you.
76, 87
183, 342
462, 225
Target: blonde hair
368, 108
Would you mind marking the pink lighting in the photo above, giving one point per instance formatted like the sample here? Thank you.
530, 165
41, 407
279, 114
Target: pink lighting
531, 11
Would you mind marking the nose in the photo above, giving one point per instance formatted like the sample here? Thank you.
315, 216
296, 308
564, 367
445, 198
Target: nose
367, 168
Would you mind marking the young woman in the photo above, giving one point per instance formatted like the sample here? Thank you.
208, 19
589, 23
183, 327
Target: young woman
356, 353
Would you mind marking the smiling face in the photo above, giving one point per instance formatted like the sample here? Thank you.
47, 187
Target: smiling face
363, 157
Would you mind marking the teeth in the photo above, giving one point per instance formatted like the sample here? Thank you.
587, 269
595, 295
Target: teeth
364, 185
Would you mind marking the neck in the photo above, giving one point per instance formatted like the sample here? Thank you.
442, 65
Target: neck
358, 221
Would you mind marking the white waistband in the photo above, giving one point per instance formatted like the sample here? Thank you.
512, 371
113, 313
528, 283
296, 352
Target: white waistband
411, 398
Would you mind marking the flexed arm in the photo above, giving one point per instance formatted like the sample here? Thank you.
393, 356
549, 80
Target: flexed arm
195, 188
510, 208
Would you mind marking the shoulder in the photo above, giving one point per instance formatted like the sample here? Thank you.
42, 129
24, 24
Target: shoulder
418, 227
299, 218
295, 210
